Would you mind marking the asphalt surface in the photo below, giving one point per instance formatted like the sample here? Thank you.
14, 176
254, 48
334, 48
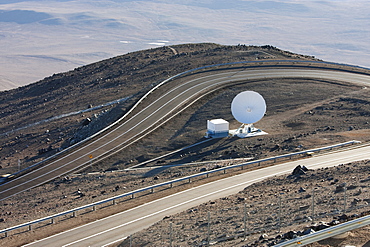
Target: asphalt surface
147, 119
117, 227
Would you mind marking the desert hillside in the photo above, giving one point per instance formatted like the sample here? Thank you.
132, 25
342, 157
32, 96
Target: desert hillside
66, 100
45, 117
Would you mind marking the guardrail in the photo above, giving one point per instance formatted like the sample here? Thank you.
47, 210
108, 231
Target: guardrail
328, 232
113, 200
294, 63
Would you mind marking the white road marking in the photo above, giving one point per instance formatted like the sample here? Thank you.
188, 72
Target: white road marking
163, 210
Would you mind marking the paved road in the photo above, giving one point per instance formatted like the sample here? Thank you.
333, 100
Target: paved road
121, 225
173, 101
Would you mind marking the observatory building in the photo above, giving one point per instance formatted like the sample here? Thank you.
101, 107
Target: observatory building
248, 107
217, 128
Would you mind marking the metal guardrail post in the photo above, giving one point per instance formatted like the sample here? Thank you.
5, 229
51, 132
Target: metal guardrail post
327, 232
170, 234
313, 205
279, 214
209, 229
345, 200
245, 221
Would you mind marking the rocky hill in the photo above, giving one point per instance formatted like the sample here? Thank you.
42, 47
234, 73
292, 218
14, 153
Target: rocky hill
69, 101
38, 120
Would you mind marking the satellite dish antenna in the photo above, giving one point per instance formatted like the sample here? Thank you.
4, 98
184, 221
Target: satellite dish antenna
248, 107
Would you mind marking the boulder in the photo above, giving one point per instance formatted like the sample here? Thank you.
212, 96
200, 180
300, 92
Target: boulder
263, 236
340, 188
301, 189
290, 235
86, 121
299, 170
320, 226
308, 231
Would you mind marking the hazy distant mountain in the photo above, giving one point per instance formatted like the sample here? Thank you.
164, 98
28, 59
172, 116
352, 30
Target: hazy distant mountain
42, 37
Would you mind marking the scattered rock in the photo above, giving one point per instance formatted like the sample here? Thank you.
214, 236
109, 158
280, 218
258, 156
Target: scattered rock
263, 236
301, 189
299, 170
340, 188
290, 235
308, 231
355, 202
302, 208
203, 169
320, 227
343, 217
45, 150
86, 121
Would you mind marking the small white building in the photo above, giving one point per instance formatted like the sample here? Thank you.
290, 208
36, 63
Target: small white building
217, 128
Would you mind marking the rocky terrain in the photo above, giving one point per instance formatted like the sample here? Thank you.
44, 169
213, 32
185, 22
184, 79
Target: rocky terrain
276, 209
84, 91
40, 119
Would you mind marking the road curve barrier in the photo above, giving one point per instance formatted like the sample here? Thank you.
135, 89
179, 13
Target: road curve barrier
114, 200
327, 232
271, 63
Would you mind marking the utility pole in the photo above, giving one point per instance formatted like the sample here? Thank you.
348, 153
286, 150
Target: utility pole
245, 221
209, 229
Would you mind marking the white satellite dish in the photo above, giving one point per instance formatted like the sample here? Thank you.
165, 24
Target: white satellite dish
248, 107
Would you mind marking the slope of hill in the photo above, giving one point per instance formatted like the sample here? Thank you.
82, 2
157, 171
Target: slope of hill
130, 75
301, 114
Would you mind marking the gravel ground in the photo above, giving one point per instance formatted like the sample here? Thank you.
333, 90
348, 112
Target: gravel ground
301, 114
273, 207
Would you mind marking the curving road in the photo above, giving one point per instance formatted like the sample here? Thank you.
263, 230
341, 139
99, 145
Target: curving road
172, 102
117, 227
